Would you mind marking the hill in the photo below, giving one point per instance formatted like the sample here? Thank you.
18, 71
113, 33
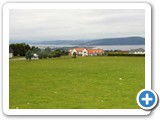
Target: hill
93, 42
118, 41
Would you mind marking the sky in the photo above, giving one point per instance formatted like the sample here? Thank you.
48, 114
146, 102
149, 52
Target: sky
75, 24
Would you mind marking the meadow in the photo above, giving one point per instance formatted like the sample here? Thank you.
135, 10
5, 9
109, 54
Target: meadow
81, 83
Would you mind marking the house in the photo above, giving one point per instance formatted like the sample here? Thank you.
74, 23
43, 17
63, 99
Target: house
10, 52
78, 51
95, 52
86, 52
137, 51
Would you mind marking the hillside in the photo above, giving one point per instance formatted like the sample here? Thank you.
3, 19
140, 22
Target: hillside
118, 41
93, 42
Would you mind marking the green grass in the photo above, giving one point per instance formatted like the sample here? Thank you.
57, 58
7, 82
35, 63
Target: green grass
81, 83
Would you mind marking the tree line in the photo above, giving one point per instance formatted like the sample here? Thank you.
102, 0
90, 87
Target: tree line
22, 49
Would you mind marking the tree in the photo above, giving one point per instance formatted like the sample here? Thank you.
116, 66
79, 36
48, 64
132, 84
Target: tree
42, 54
29, 55
64, 53
50, 55
54, 55
57, 53
35, 49
45, 55
74, 55
47, 49
20, 49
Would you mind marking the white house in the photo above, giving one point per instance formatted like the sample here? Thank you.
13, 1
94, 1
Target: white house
137, 51
79, 51
86, 52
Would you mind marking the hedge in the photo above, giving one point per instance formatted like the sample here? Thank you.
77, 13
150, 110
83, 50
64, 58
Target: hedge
138, 55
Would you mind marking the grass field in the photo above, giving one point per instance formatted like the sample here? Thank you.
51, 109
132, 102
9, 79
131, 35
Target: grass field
81, 83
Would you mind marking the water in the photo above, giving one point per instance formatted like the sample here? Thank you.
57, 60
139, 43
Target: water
120, 47
105, 47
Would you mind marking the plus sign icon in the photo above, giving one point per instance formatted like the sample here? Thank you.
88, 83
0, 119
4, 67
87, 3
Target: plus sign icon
147, 99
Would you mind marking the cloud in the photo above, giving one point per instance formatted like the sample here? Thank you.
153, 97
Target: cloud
75, 24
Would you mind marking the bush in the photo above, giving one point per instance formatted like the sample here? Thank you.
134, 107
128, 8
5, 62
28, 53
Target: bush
50, 55
40, 56
57, 53
45, 55
116, 54
74, 55
54, 55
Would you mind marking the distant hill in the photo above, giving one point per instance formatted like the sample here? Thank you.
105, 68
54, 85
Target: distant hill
64, 42
95, 42
118, 41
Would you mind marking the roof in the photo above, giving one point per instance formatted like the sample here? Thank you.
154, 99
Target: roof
91, 51
79, 49
10, 50
137, 50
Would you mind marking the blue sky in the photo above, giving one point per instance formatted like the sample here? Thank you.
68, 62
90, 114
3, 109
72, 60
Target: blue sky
75, 24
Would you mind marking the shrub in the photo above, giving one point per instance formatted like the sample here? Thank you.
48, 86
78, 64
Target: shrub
74, 55
40, 56
57, 53
45, 55
50, 55
116, 54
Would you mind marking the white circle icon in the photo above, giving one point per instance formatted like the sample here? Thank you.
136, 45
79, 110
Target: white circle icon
147, 99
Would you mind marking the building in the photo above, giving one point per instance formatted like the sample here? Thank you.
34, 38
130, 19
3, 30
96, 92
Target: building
137, 51
95, 52
10, 52
79, 51
86, 52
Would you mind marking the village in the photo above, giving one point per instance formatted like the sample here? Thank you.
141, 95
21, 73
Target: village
97, 52
82, 51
